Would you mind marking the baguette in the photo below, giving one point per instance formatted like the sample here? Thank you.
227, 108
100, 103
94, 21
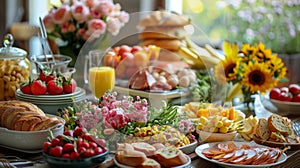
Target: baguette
24, 116
262, 129
280, 124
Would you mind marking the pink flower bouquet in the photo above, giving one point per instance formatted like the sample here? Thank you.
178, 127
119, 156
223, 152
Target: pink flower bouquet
78, 21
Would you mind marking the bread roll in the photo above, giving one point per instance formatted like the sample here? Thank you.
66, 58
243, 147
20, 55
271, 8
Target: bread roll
24, 116
163, 18
174, 32
168, 44
130, 157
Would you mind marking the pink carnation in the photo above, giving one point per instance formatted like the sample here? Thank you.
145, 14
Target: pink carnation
80, 12
62, 14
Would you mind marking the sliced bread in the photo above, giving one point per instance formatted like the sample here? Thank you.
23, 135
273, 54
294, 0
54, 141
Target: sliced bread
130, 157
262, 130
149, 163
171, 156
280, 124
144, 147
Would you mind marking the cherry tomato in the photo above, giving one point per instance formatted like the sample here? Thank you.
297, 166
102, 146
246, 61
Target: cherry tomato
98, 150
69, 133
66, 155
56, 151
84, 144
275, 93
87, 136
55, 142
81, 149
68, 147
88, 153
74, 155
47, 145
93, 145
78, 131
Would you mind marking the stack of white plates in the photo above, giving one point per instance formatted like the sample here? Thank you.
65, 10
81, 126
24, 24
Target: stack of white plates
51, 103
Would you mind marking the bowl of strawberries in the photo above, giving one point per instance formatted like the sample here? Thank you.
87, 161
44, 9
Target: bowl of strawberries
75, 148
286, 99
51, 91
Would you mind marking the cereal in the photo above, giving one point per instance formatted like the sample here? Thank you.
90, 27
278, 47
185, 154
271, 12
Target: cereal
12, 75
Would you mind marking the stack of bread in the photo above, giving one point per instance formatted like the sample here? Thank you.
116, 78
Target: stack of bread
170, 32
24, 116
275, 128
144, 155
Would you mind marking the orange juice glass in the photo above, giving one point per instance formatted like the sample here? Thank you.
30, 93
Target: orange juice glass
101, 79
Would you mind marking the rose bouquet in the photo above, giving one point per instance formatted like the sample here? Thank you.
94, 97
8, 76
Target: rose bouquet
79, 21
249, 70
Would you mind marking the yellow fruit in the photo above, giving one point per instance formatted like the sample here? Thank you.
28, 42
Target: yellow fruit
223, 129
227, 123
219, 124
200, 126
203, 120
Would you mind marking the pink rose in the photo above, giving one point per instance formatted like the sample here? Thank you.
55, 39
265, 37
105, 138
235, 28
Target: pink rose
102, 8
89, 3
65, 28
124, 17
62, 15
48, 22
113, 26
96, 26
80, 12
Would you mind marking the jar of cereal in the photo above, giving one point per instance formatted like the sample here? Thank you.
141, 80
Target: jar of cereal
14, 68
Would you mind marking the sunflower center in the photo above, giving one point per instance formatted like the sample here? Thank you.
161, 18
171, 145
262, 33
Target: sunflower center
229, 70
256, 77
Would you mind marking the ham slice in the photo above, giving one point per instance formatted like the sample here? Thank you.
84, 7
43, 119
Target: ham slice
141, 80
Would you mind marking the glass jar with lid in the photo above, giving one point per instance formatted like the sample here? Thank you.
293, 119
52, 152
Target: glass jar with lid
14, 69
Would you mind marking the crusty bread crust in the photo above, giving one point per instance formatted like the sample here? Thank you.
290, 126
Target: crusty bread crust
24, 116
170, 157
262, 129
280, 124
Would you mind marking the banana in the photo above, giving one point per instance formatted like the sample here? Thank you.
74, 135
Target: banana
213, 52
191, 58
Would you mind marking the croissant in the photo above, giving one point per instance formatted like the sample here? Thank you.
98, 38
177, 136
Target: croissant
24, 116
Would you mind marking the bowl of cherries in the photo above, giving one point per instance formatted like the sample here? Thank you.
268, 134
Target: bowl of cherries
75, 148
286, 99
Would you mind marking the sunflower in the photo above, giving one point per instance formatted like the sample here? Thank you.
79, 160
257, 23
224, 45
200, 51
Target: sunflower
257, 77
225, 69
278, 67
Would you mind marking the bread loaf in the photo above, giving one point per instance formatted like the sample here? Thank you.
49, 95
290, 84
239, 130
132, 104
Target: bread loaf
262, 129
24, 116
280, 124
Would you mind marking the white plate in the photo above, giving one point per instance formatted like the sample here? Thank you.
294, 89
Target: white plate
51, 97
182, 166
200, 148
81, 93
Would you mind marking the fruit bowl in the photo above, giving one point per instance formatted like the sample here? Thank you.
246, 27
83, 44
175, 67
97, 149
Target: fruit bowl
75, 163
288, 108
216, 137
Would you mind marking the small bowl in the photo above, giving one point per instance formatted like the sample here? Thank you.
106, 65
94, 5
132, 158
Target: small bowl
216, 137
73, 163
58, 62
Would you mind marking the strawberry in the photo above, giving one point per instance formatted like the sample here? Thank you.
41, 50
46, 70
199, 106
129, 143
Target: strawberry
26, 88
46, 75
69, 86
38, 87
54, 87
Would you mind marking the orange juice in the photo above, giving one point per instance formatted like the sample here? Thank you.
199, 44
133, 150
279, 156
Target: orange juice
101, 79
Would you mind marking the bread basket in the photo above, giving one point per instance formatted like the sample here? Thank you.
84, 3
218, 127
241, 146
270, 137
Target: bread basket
28, 141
